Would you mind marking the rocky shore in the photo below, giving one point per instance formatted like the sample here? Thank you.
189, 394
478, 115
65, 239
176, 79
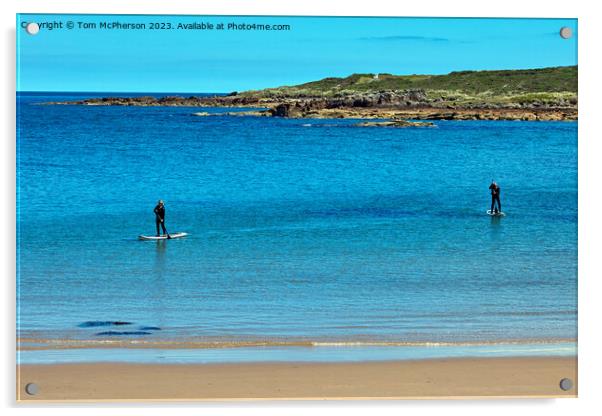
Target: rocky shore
392, 105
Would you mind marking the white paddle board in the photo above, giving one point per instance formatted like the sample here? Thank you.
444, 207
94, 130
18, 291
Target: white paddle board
494, 214
162, 237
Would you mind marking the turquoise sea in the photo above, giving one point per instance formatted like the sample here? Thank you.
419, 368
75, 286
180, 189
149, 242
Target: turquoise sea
309, 239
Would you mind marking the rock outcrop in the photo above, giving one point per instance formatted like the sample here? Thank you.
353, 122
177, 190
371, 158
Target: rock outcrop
402, 104
395, 123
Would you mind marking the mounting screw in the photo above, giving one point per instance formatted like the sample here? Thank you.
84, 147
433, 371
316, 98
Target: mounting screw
32, 28
566, 384
566, 32
32, 389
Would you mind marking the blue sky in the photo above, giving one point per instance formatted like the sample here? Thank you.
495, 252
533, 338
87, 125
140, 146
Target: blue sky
314, 48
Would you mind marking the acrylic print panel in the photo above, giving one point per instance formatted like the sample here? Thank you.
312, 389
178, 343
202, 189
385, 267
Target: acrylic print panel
296, 207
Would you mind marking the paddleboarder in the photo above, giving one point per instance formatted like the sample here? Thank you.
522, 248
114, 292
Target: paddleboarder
160, 217
495, 198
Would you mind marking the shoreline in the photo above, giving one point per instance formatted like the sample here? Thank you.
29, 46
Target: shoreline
306, 109
154, 350
38, 343
433, 378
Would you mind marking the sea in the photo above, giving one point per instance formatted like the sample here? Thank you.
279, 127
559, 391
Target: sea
309, 239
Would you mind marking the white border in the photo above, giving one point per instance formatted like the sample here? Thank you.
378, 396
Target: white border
590, 275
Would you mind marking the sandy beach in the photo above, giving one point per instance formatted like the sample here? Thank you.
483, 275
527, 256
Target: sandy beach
443, 378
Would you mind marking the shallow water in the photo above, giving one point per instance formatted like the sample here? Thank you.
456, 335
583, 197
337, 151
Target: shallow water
291, 354
299, 229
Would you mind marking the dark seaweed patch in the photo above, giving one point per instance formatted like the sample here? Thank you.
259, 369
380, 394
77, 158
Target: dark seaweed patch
118, 333
94, 324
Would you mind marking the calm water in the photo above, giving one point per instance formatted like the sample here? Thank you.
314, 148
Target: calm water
299, 229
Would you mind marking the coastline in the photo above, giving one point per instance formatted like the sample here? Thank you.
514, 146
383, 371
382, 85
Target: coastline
308, 109
38, 343
541, 94
418, 113
438, 378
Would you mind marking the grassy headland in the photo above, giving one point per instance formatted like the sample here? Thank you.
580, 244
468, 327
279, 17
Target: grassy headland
546, 86
525, 94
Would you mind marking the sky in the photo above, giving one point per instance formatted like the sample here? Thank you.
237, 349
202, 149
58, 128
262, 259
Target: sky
225, 60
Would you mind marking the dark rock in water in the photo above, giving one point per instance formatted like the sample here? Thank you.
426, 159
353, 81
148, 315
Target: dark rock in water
281, 110
117, 333
395, 123
149, 328
93, 324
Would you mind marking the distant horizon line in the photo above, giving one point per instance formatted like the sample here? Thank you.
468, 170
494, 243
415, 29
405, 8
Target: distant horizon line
304, 82
120, 92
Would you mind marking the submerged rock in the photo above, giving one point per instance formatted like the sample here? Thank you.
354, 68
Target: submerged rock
93, 324
260, 113
118, 333
395, 123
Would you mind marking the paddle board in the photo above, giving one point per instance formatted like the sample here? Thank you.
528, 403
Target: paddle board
493, 214
162, 237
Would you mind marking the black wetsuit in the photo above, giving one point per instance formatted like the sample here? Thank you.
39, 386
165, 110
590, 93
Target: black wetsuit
495, 198
160, 218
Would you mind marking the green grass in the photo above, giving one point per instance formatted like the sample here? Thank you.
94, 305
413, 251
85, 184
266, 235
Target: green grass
467, 85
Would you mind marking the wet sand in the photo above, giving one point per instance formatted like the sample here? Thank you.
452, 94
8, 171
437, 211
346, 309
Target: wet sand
442, 378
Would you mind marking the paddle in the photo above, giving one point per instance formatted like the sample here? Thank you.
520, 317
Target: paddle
166, 232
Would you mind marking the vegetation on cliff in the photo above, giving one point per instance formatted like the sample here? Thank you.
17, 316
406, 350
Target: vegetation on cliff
526, 94
556, 85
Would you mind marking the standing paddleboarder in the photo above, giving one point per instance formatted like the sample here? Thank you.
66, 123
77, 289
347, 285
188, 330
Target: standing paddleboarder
160, 217
495, 198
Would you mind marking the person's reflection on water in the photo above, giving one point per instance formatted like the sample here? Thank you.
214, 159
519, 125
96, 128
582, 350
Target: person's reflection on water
160, 256
157, 290
495, 228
